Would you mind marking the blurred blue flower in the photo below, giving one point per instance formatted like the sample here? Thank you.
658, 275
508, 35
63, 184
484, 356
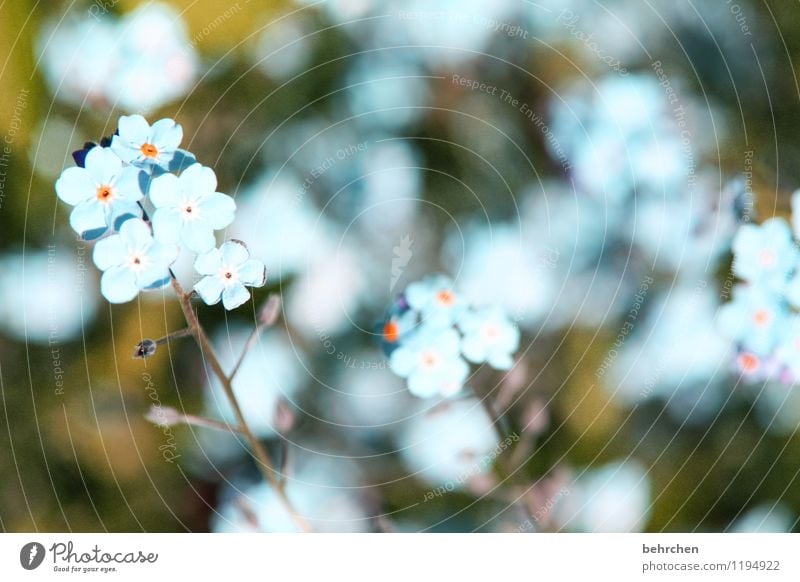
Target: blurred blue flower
132, 261
142, 145
188, 208
755, 318
431, 361
227, 270
453, 446
489, 336
765, 254
103, 193
436, 300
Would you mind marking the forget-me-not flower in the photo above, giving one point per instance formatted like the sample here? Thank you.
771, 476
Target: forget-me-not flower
227, 270
145, 145
489, 336
102, 192
132, 261
189, 209
765, 254
431, 361
436, 300
756, 319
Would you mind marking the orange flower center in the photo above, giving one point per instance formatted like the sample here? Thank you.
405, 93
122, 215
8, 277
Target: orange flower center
748, 363
391, 332
761, 317
104, 193
149, 150
429, 360
446, 297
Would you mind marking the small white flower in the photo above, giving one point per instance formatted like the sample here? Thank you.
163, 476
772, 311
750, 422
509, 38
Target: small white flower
489, 336
132, 261
145, 145
102, 192
188, 208
431, 362
227, 270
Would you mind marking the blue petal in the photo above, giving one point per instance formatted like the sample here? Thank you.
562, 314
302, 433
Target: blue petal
128, 186
198, 236
133, 129
234, 253
122, 211
181, 160
118, 285
166, 135
75, 185
136, 234
199, 179
165, 191
209, 263
103, 165
88, 216
253, 273
209, 289
234, 296
167, 225
109, 252
218, 210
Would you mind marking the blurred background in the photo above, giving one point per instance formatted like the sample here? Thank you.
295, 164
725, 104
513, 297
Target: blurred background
584, 164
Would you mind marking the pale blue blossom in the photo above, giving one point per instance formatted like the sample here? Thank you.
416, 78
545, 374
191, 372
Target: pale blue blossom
765, 254
431, 361
614, 498
450, 447
227, 270
189, 209
436, 300
144, 145
132, 261
489, 337
755, 318
103, 193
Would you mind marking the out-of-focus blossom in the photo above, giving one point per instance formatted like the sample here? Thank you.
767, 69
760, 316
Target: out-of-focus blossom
614, 498
490, 337
436, 300
449, 447
144, 145
755, 317
672, 351
765, 254
431, 361
390, 93
770, 517
103, 193
324, 491
132, 261
48, 295
226, 271
138, 62
189, 209
281, 50
271, 372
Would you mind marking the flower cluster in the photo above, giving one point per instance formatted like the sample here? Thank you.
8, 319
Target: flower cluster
764, 316
431, 332
139, 173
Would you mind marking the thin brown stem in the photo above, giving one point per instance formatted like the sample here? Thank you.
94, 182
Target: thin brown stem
263, 459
